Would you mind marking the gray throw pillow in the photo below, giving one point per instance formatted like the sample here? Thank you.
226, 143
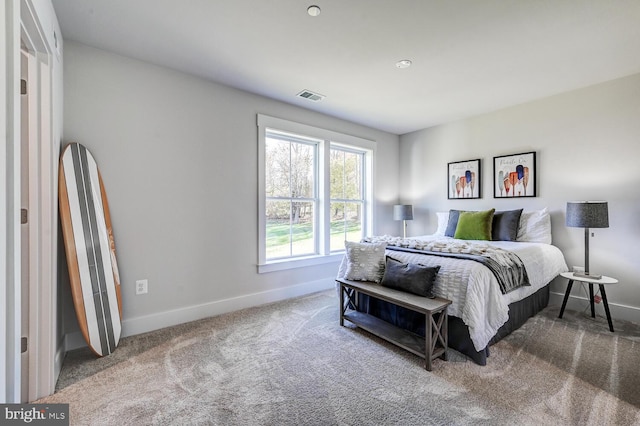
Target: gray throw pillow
365, 261
410, 277
453, 223
505, 225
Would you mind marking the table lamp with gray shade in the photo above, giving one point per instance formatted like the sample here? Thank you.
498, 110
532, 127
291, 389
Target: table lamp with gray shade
587, 214
403, 212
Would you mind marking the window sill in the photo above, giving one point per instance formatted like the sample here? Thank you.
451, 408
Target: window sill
281, 265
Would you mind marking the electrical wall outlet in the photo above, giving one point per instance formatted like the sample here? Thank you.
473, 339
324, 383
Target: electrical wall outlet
142, 286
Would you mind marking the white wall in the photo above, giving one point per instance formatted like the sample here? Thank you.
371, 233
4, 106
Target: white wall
178, 157
588, 148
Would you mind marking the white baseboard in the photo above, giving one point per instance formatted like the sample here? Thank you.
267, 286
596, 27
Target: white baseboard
581, 303
74, 341
59, 359
143, 324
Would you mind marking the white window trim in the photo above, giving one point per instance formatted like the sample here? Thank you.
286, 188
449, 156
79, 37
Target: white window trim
329, 137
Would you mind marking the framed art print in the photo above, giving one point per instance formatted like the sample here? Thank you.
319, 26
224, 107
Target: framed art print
514, 175
464, 179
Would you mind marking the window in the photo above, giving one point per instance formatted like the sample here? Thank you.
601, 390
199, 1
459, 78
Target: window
346, 169
315, 193
291, 195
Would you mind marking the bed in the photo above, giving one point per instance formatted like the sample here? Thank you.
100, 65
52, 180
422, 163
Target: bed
482, 310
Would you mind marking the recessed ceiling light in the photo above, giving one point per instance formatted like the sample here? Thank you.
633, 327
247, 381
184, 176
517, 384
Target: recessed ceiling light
313, 10
405, 63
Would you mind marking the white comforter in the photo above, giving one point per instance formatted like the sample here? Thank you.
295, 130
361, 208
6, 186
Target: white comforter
474, 290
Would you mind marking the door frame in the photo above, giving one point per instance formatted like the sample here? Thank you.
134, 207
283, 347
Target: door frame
22, 25
10, 204
43, 178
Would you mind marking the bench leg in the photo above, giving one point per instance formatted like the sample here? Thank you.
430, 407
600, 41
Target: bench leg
342, 305
445, 334
436, 332
428, 336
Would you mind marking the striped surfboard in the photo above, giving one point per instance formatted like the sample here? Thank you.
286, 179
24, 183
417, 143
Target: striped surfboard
90, 249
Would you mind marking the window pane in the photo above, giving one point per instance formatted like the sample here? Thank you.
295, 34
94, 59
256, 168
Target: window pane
277, 170
346, 224
290, 227
302, 225
336, 170
346, 174
278, 229
302, 170
289, 169
353, 176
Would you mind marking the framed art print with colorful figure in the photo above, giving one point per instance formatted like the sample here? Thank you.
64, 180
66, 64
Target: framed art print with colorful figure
514, 175
464, 179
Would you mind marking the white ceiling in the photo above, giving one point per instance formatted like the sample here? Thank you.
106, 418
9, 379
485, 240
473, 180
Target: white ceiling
469, 56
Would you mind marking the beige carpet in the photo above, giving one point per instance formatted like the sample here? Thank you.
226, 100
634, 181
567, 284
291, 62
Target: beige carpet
290, 363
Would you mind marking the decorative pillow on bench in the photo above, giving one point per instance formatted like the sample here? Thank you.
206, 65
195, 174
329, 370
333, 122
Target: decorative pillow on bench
365, 261
410, 277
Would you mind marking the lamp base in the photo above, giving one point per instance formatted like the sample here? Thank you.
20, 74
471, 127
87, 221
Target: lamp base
589, 275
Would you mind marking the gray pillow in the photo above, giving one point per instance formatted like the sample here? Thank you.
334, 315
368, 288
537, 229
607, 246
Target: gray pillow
453, 223
410, 277
365, 261
505, 225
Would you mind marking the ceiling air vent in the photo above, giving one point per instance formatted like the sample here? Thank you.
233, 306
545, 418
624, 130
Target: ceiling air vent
307, 94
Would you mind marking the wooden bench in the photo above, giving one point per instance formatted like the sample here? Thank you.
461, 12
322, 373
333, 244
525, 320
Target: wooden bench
430, 347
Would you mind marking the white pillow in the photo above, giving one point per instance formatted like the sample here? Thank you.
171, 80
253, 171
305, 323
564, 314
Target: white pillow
443, 221
535, 227
365, 261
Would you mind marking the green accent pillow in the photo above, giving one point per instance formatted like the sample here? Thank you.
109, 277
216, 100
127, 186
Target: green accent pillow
475, 225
